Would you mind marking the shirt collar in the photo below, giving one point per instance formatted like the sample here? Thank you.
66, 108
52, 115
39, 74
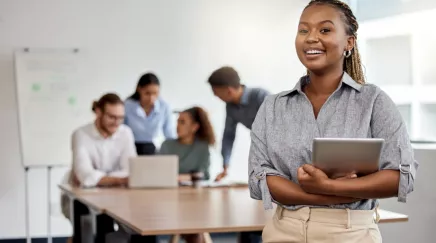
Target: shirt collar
245, 95
156, 108
346, 79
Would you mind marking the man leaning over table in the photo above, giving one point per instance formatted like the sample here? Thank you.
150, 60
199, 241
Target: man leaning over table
101, 152
242, 104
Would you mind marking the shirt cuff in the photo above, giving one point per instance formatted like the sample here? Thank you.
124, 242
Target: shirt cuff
226, 160
407, 174
226, 163
119, 174
266, 195
260, 176
92, 180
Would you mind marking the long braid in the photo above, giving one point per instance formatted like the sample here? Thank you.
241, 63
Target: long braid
352, 64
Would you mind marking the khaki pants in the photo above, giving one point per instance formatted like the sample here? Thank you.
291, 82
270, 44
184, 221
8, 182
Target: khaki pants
316, 225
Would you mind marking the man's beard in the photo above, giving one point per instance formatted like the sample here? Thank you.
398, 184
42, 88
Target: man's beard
104, 128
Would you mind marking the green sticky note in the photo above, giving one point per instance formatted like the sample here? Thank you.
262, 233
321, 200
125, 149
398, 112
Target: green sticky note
36, 87
72, 100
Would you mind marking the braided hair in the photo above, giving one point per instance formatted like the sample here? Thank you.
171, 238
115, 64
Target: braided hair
352, 64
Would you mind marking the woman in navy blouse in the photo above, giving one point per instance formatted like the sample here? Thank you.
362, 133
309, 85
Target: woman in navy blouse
147, 114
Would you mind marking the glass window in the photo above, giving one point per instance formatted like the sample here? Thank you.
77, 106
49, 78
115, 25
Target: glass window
398, 54
376, 9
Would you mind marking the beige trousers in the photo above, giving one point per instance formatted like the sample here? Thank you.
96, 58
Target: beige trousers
322, 225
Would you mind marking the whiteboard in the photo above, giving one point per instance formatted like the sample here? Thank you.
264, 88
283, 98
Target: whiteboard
48, 86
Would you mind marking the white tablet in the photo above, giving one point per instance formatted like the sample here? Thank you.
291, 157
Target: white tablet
340, 156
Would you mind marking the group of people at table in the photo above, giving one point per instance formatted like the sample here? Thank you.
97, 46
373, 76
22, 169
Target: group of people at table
332, 100
125, 129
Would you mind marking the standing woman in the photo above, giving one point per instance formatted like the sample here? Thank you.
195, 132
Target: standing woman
333, 100
147, 114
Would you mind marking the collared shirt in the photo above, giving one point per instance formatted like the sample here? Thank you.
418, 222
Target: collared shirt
95, 156
243, 113
147, 127
193, 157
282, 135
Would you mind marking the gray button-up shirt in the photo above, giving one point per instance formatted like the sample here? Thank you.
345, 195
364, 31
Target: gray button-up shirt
243, 113
285, 126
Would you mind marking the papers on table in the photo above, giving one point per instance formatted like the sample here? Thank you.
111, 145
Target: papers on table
217, 184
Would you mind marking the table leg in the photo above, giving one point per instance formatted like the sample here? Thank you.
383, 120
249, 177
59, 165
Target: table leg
143, 239
79, 210
104, 225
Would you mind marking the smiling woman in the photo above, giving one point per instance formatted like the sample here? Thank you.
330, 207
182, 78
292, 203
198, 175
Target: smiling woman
332, 100
327, 24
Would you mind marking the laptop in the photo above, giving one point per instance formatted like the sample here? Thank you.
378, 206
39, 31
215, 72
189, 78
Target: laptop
154, 171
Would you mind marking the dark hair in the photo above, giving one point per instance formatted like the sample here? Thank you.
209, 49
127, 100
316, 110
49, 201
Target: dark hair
145, 80
109, 98
205, 131
352, 64
225, 77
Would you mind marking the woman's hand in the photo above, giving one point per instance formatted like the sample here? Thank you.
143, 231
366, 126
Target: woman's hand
314, 180
287, 192
311, 179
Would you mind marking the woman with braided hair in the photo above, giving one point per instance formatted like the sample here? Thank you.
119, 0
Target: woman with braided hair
332, 100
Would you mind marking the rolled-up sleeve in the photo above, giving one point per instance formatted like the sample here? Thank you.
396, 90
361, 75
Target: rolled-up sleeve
397, 153
82, 163
259, 163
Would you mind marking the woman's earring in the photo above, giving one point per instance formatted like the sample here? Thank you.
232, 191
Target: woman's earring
347, 54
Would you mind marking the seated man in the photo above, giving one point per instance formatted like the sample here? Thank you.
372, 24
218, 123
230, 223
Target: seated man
101, 149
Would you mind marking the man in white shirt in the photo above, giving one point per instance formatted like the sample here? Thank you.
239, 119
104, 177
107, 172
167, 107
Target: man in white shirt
101, 152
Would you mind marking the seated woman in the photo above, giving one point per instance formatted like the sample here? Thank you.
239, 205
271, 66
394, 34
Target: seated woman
195, 134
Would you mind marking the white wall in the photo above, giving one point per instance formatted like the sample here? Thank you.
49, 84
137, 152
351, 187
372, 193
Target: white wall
419, 207
182, 41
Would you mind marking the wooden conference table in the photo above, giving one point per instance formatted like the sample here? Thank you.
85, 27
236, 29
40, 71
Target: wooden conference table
184, 210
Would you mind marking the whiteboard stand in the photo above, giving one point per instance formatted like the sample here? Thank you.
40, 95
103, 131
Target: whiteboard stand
26, 196
49, 238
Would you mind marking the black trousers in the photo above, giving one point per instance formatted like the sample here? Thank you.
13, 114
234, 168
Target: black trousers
250, 237
105, 225
145, 148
